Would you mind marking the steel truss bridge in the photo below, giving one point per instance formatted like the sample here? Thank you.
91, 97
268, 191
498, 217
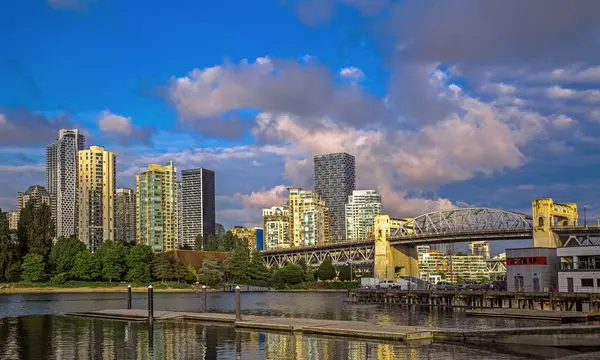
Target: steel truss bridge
444, 226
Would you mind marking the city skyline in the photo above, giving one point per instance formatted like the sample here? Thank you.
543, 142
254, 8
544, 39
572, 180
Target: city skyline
458, 116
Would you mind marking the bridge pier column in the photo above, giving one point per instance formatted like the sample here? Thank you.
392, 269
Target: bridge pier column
392, 261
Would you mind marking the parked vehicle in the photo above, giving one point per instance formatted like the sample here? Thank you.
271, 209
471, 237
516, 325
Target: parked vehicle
473, 286
461, 287
497, 285
444, 285
388, 284
368, 283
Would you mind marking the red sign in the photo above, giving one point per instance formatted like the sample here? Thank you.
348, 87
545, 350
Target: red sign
530, 260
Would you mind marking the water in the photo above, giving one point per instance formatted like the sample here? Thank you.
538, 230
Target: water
31, 329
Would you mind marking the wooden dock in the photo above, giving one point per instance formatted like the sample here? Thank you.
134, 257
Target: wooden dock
309, 326
548, 315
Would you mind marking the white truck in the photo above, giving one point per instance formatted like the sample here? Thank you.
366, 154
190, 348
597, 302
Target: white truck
374, 283
368, 282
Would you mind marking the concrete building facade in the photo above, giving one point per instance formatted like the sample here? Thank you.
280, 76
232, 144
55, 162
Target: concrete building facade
180, 213
13, 220
198, 204
480, 248
156, 207
276, 228
531, 269
125, 215
96, 196
310, 229
37, 195
246, 234
361, 209
62, 179
335, 179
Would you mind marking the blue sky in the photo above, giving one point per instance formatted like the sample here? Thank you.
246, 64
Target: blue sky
460, 103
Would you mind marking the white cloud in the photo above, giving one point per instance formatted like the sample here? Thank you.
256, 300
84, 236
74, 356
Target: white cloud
557, 92
352, 73
121, 129
562, 121
23, 168
264, 198
500, 88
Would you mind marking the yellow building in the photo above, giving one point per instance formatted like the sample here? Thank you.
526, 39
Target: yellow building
156, 207
13, 220
246, 234
96, 196
309, 220
276, 227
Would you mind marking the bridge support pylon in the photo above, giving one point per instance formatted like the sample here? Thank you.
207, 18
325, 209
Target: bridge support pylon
392, 261
547, 214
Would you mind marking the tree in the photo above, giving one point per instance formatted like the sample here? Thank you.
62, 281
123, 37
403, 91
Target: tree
162, 266
24, 227
290, 274
211, 244
326, 270
309, 276
191, 275
9, 252
302, 264
209, 273
33, 268
199, 242
41, 234
87, 267
229, 241
112, 256
239, 263
257, 269
138, 263
347, 273
63, 253
460, 253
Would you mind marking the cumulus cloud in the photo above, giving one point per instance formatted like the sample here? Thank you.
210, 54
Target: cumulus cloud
562, 121
264, 198
352, 72
24, 128
121, 129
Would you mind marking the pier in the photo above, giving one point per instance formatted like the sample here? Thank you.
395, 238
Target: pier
588, 302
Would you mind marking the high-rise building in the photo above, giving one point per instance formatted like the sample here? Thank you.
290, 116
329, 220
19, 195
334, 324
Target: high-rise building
361, 209
198, 204
179, 213
96, 196
125, 215
62, 180
276, 227
246, 234
156, 207
37, 195
335, 179
13, 219
308, 217
480, 248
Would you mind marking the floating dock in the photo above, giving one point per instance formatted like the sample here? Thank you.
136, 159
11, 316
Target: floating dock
547, 315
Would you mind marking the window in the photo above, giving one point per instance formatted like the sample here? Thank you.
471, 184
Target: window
587, 282
598, 282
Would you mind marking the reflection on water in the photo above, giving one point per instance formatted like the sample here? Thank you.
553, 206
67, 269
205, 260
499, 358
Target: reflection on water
60, 337
300, 304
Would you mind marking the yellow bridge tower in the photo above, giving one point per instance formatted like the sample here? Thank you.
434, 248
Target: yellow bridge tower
547, 214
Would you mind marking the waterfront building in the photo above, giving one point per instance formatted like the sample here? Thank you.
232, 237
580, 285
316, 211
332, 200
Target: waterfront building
198, 205
62, 179
96, 196
335, 179
453, 268
180, 215
469, 268
125, 215
579, 269
246, 234
480, 248
156, 207
308, 217
37, 195
532, 269
361, 209
276, 227
260, 240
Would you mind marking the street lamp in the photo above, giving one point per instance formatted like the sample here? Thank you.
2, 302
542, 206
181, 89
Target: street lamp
584, 217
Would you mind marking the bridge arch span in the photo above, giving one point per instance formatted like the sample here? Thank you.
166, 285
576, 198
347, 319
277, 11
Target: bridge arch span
462, 220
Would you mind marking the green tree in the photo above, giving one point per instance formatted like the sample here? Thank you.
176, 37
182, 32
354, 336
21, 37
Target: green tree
302, 264
9, 251
88, 266
211, 244
24, 227
239, 263
326, 270
191, 275
163, 266
210, 273
257, 269
63, 253
229, 241
347, 273
138, 263
199, 242
179, 269
309, 276
33, 268
41, 233
290, 274
112, 256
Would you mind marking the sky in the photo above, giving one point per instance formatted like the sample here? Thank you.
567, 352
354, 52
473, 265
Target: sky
444, 104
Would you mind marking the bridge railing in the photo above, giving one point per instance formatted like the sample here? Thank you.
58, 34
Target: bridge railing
460, 232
